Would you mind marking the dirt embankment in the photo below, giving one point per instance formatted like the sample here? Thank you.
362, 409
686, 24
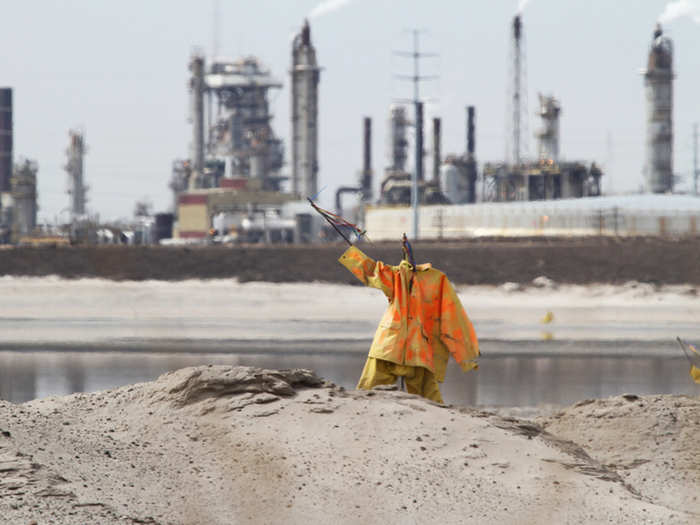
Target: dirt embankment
222, 445
579, 261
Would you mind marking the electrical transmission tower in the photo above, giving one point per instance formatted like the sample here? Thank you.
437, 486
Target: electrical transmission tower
416, 78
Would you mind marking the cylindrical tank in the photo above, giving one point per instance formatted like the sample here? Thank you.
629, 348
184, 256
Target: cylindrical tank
658, 81
5, 139
452, 182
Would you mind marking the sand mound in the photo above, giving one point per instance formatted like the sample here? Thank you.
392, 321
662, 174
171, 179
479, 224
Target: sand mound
223, 445
194, 384
652, 441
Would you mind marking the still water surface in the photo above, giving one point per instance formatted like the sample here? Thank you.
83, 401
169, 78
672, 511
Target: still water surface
59, 336
503, 379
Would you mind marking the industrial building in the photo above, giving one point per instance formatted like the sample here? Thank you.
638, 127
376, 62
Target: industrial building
628, 215
395, 187
231, 185
18, 183
546, 177
549, 196
24, 203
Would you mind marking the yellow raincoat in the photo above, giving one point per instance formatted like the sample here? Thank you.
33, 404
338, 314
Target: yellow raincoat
419, 329
695, 373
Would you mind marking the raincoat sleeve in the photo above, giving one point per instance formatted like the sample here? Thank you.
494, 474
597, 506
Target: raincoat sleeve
372, 273
456, 330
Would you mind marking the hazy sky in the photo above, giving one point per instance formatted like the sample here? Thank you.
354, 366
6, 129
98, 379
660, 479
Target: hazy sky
119, 71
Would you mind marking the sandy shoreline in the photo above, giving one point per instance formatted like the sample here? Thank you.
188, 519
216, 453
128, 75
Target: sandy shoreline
57, 312
238, 445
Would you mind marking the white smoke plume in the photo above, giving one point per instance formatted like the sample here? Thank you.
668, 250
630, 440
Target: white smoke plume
521, 5
327, 6
679, 9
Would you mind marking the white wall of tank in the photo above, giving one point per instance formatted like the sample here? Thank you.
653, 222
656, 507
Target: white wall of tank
634, 215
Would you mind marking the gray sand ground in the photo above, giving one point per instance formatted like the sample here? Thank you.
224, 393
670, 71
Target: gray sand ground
222, 445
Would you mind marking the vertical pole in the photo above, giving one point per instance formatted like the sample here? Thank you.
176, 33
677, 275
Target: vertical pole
516, 91
418, 172
695, 158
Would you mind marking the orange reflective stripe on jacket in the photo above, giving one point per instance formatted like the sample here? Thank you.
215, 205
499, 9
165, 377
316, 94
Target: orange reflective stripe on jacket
420, 328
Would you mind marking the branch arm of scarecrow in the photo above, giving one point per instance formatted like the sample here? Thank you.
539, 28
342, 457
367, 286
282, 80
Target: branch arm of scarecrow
318, 210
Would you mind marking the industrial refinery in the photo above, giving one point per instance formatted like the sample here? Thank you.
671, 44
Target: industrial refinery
18, 182
239, 183
231, 189
231, 186
547, 195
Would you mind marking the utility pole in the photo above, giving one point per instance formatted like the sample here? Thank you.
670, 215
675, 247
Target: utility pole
696, 173
416, 78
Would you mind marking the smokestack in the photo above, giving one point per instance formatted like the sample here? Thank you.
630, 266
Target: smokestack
516, 89
419, 141
470, 131
74, 167
471, 157
658, 81
5, 139
436, 149
305, 75
367, 161
197, 89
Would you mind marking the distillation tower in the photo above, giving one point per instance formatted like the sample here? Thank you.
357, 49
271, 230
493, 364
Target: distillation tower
235, 140
305, 75
548, 134
24, 198
658, 80
74, 167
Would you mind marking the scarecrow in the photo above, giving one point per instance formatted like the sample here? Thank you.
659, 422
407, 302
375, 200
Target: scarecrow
423, 324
